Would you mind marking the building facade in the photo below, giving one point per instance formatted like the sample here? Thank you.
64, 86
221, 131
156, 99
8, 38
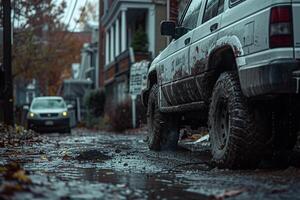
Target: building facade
89, 64
120, 23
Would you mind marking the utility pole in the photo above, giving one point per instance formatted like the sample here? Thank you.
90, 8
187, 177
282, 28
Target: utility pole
8, 87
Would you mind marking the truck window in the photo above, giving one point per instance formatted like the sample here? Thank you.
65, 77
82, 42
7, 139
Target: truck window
213, 8
192, 14
235, 2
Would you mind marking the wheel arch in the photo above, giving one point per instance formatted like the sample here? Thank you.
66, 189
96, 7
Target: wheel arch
221, 59
152, 79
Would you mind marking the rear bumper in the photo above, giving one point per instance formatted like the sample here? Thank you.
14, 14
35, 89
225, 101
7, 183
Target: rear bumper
277, 77
42, 125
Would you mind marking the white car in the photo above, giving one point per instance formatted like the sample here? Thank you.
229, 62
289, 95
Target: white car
48, 114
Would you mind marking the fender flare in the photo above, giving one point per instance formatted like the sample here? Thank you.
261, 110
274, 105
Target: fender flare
234, 43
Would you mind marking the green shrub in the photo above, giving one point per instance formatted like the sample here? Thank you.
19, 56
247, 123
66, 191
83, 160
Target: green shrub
120, 116
94, 102
98, 123
140, 40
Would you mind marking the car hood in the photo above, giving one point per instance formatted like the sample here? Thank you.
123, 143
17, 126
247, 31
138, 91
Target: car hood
48, 110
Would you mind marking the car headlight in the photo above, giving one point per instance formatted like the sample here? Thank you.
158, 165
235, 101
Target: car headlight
31, 114
65, 114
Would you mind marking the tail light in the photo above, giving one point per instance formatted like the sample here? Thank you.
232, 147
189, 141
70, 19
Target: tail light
281, 27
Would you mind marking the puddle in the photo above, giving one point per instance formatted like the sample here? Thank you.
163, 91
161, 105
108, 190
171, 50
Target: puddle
92, 155
127, 185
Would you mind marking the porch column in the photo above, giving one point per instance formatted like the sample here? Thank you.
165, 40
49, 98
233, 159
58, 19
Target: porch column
117, 37
151, 31
123, 31
112, 46
106, 47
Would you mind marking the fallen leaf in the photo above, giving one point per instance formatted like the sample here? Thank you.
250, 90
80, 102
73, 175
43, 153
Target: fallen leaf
229, 193
11, 168
43, 157
10, 189
3, 170
195, 137
21, 176
67, 157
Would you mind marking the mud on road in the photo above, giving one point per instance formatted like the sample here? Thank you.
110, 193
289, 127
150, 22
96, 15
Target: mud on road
100, 165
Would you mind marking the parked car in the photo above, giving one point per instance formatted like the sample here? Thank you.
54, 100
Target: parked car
48, 114
233, 65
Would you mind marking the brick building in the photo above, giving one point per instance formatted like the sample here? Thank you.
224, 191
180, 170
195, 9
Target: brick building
119, 22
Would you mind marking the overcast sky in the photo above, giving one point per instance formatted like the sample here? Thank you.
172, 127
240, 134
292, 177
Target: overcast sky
68, 11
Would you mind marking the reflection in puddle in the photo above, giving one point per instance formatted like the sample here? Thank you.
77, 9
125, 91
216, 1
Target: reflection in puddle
152, 185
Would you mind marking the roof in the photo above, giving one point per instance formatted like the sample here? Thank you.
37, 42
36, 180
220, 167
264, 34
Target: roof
78, 81
49, 97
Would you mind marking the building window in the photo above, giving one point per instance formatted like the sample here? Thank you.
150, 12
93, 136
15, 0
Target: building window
121, 92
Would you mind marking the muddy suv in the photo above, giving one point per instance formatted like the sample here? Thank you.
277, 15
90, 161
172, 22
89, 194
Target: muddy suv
234, 66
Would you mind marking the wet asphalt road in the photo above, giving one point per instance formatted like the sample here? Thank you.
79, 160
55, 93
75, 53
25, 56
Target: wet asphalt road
99, 165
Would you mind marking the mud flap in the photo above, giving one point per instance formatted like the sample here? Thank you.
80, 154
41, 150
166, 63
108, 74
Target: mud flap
296, 76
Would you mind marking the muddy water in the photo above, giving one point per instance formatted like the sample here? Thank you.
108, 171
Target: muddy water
93, 165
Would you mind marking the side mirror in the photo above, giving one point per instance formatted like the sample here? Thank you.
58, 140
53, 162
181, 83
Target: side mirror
167, 28
69, 106
180, 31
26, 107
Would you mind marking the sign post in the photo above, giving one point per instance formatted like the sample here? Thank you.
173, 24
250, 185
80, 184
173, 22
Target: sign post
8, 85
138, 72
133, 100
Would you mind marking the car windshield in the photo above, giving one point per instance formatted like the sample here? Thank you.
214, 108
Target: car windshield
48, 104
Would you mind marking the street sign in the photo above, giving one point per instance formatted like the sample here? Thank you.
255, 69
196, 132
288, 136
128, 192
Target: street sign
138, 75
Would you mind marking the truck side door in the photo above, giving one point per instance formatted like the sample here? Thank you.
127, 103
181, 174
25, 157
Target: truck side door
204, 39
176, 66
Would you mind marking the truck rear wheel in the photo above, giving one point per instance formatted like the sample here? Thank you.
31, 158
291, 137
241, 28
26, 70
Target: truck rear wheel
163, 129
237, 141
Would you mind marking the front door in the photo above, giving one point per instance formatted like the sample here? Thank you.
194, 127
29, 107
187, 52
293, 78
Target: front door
204, 39
176, 70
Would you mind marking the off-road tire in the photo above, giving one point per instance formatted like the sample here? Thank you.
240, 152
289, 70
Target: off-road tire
163, 129
245, 140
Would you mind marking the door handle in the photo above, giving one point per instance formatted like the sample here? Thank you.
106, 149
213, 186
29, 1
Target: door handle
214, 27
187, 41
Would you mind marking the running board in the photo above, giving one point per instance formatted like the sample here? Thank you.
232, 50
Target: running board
195, 106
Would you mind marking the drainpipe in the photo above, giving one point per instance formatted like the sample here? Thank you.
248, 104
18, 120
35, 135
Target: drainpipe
168, 17
97, 65
168, 10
